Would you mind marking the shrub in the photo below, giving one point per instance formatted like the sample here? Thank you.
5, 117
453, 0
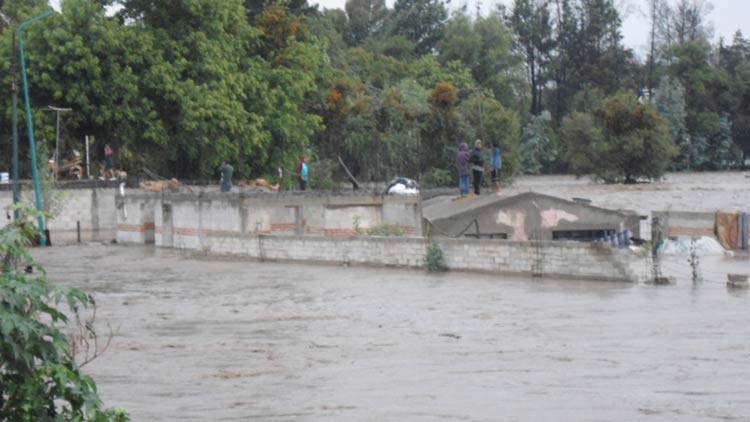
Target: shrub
434, 260
437, 178
39, 378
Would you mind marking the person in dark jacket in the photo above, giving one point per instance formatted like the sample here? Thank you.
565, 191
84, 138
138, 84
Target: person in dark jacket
477, 165
464, 168
226, 172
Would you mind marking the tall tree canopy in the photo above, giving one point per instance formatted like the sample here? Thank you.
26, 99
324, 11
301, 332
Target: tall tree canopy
177, 86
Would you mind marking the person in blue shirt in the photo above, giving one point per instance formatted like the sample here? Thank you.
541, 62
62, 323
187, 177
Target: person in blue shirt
497, 164
302, 170
464, 168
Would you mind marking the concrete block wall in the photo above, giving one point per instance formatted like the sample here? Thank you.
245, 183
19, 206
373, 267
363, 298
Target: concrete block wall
322, 231
284, 214
95, 210
136, 221
682, 223
582, 261
572, 260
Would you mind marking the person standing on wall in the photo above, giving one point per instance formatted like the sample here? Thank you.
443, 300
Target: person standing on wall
477, 165
101, 158
497, 164
464, 168
226, 171
302, 171
108, 162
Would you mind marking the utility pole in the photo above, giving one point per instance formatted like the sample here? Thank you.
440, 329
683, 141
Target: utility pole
58, 110
30, 124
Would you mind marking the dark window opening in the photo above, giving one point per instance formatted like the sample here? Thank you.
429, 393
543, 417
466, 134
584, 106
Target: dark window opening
487, 235
582, 235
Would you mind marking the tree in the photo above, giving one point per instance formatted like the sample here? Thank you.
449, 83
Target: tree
628, 141
539, 149
722, 152
657, 11
530, 21
485, 47
366, 18
580, 135
601, 60
688, 23
460, 42
39, 378
735, 61
708, 99
669, 100
420, 21
442, 132
222, 88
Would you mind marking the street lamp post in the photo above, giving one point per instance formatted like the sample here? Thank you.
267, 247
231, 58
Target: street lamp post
30, 124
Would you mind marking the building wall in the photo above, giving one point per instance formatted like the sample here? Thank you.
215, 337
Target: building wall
207, 214
94, 209
682, 223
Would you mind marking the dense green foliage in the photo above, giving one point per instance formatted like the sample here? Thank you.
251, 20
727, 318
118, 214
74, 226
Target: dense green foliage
624, 141
433, 259
39, 378
179, 86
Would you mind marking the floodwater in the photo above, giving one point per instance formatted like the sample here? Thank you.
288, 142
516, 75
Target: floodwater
700, 192
209, 339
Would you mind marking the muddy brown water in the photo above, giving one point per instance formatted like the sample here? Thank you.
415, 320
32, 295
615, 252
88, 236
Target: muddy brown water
701, 192
208, 339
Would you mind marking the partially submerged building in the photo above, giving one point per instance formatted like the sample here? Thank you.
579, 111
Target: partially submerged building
527, 216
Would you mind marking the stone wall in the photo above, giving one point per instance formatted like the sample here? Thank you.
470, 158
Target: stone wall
94, 209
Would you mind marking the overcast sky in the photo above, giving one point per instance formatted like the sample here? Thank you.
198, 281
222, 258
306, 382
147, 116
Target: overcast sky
728, 16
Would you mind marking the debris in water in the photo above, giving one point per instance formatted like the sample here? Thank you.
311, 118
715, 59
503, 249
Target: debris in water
738, 281
451, 335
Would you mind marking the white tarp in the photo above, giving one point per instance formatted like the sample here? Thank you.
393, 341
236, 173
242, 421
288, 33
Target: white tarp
681, 246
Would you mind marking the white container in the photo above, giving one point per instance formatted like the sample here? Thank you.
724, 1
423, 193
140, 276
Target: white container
4, 178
